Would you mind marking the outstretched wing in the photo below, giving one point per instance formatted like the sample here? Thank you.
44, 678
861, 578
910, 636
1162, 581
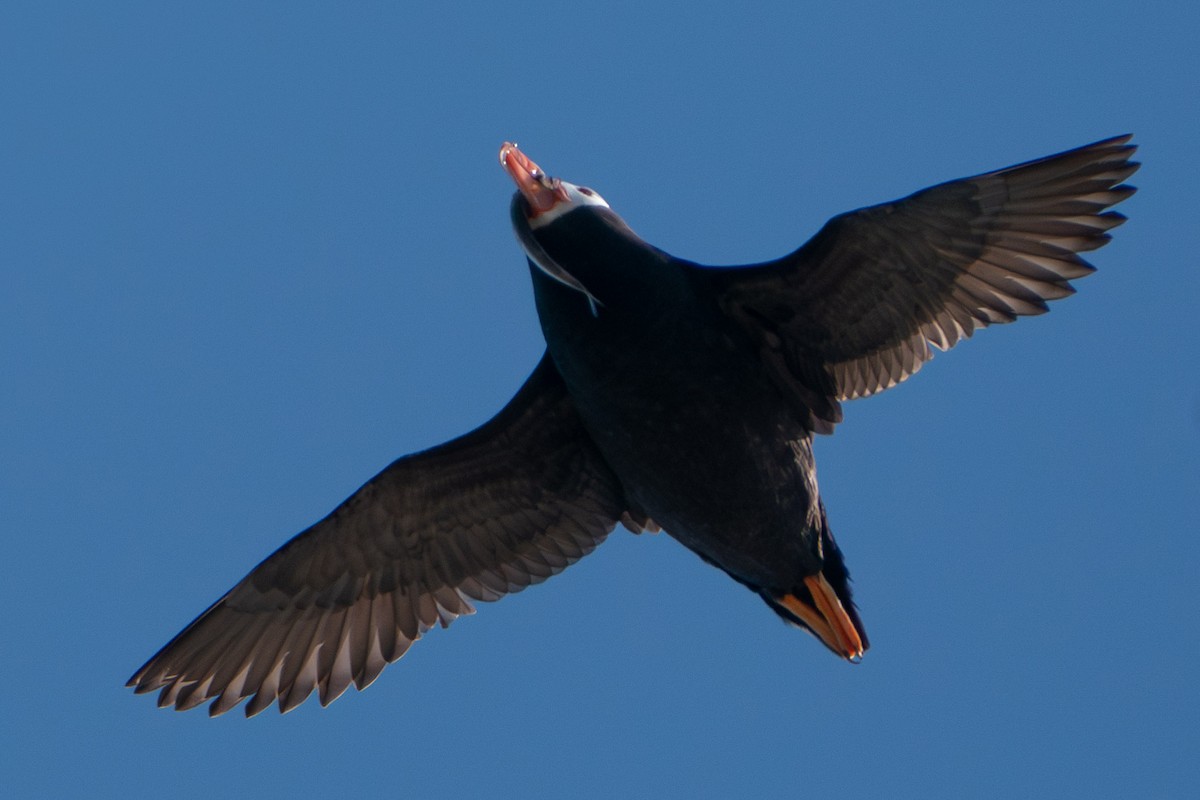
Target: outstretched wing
854, 310
505, 506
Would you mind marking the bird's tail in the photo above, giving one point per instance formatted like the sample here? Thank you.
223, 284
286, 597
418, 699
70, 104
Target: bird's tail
821, 603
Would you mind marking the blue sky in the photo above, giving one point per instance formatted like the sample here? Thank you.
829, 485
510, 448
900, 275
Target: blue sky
250, 255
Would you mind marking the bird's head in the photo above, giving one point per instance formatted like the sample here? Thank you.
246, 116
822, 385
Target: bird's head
569, 232
541, 198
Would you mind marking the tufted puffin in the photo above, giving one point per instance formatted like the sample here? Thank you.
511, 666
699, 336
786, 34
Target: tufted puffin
672, 396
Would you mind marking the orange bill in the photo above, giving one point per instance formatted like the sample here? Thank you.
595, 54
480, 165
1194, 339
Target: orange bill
541, 191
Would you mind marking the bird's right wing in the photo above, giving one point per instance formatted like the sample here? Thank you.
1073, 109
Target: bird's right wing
855, 310
505, 506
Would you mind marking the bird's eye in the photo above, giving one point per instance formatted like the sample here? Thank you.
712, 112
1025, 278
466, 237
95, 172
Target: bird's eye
585, 190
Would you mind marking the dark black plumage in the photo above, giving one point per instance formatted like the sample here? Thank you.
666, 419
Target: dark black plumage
672, 395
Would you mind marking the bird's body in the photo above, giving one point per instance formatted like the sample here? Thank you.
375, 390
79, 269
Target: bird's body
670, 392
671, 395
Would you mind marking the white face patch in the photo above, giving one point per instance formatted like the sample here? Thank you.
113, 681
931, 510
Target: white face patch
576, 196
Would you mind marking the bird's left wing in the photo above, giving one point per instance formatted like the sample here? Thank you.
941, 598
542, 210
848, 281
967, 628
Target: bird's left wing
505, 506
854, 311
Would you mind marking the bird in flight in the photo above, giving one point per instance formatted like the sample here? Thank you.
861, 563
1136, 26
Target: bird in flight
671, 396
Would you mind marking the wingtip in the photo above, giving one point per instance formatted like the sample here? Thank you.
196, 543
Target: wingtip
1121, 141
